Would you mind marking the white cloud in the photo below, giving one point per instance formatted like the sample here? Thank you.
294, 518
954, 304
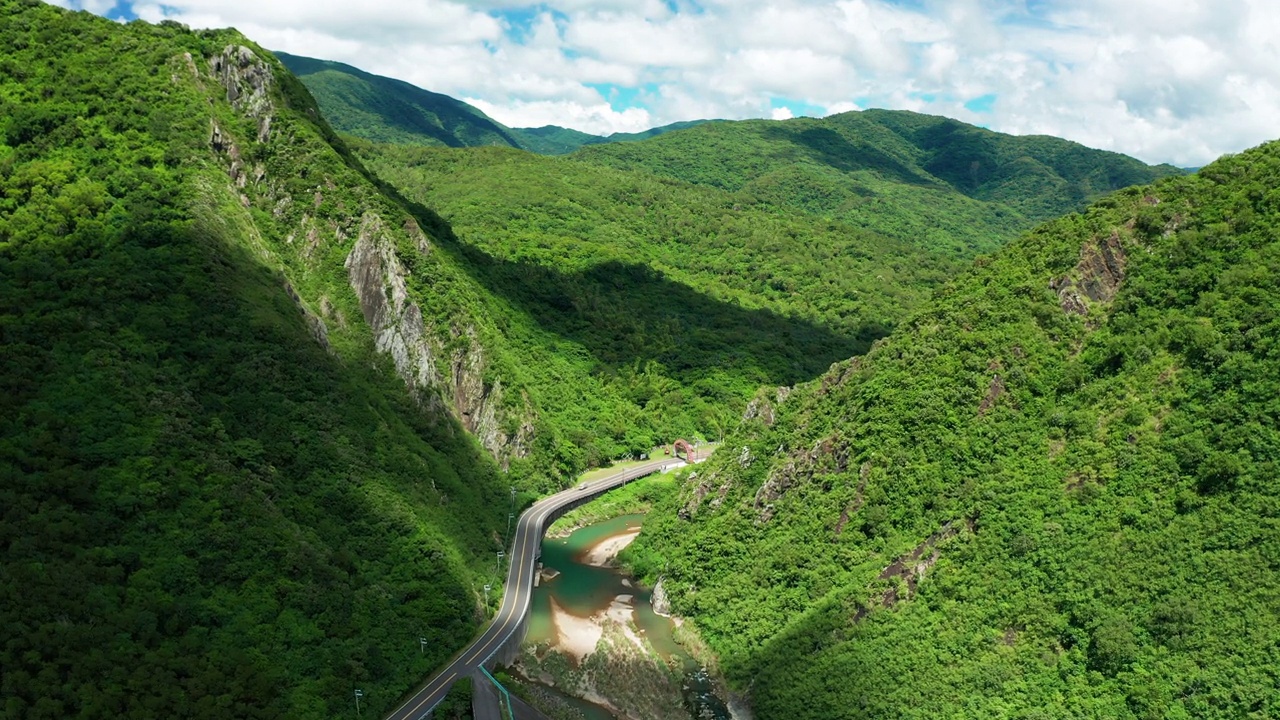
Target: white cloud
1166, 80
782, 113
596, 118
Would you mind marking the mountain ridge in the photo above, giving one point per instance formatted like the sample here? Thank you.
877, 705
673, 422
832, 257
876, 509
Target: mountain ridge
1018, 499
382, 109
971, 189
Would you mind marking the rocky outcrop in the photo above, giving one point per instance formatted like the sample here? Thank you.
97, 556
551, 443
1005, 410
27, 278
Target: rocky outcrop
661, 603
477, 402
701, 490
828, 456
1097, 276
763, 409
248, 80
994, 391
319, 331
905, 573
379, 280
858, 498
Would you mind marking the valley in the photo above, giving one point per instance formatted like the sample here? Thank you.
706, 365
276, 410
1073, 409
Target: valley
303, 369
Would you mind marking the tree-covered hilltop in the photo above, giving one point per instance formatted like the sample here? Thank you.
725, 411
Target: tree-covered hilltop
555, 140
383, 109
224, 490
1052, 493
935, 182
651, 308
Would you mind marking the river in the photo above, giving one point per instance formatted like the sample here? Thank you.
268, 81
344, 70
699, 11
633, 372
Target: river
563, 605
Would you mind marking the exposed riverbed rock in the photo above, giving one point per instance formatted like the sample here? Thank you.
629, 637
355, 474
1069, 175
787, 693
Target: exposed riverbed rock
661, 603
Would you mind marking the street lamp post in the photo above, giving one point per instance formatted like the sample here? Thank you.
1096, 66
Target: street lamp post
499, 565
359, 694
422, 646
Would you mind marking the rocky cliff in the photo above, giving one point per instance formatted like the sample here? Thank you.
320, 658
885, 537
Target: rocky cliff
309, 218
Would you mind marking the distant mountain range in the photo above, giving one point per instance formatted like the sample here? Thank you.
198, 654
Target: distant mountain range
384, 109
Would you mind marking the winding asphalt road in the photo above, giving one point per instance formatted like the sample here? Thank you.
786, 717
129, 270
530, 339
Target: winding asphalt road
524, 554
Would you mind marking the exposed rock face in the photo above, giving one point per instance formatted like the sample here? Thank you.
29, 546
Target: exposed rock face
763, 409
1097, 276
830, 455
248, 81
910, 569
701, 490
452, 380
858, 498
661, 603
378, 278
994, 391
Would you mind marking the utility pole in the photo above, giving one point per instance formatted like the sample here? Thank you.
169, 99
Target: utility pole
359, 694
510, 516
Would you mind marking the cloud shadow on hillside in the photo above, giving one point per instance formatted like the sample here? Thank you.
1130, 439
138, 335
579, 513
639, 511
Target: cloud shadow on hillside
835, 150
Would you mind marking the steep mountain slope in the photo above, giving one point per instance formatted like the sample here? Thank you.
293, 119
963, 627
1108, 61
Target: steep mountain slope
1052, 493
388, 110
234, 383
934, 182
382, 109
681, 302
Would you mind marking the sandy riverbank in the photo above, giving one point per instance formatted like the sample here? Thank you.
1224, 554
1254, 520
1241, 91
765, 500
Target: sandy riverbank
603, 553
579, 636
575, 636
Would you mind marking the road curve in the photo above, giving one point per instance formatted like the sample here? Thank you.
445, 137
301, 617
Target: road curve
519, 589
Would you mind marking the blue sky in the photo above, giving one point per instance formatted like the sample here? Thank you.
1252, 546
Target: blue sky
1179, 81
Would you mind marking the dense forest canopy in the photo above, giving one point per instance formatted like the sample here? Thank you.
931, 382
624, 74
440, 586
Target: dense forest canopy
679, 302
934, 182
264, 388
207, 508
1051, 493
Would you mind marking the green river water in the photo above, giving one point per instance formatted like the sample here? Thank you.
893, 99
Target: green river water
584, 590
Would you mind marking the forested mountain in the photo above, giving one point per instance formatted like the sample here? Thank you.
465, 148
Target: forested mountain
1052, 493
382, 109
653, 309
934, 182
607, 256
555, 140
234, 381
260, 405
